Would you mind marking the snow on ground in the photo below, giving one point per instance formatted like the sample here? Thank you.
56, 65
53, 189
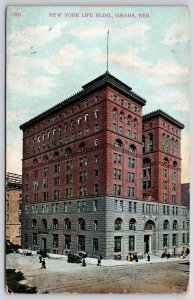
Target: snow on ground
58, 263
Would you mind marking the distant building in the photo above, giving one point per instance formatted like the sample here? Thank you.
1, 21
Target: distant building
13, 207
99, 177
185, 194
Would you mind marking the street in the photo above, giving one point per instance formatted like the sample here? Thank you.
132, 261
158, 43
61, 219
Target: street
170, 276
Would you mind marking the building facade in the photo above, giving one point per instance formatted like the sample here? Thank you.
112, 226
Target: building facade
13, 207
84, 176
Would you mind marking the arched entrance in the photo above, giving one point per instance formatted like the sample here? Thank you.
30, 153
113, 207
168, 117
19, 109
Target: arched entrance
150, 237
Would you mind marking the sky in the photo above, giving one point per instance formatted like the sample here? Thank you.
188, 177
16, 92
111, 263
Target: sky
52, 51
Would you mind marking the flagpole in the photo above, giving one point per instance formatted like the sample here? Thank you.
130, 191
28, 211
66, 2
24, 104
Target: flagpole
107, 49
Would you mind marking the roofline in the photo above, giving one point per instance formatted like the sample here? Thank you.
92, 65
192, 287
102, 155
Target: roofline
161, 113
103, 80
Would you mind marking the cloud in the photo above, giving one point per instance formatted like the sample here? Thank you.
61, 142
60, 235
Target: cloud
177, 33
20, 71
185, 154
31, 38
134, 30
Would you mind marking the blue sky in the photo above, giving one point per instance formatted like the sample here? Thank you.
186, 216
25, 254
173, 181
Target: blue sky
50, 58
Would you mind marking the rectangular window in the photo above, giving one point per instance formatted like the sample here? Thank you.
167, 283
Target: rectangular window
164, 185
130, 206
119, 190
119, 174
82, 191
56, 195
114, 127
118, 158
164, 209
114, 157
96, 128
45, 196
95, 225
96, 173
67, 242
164, 172
134, 207
96, 189
57, 181
165, 240
174, 240
121, 206
184, 238
117, 244
95, 244
95, 207
57, 168
114, 189
131, 243
143, 208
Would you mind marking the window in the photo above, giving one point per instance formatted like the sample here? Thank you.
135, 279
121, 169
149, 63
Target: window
131, 243
132, 149
96, 114
120, 129
67, 206
55, 240
96, 99
164, 209
164, 172
114, 127
96, 173
57, 168
96, 189
86, 118
96, 128
55, 224
96, 159
166, 225
129, 120
165, 240
45, 171
131, 192
150, 142
117, 244
95, 206
81, 206
132, 224
82, 161
67, 242
82, 191
184, 238
56, 194
114, 113
164, 184
55, 207
175, 225
96, 142
81, 224
174, 240
69, 178
118, 143
81, 242
118, 223
44, 223
83, 176
131, 162
95, 225
95, 244
69, 193
57, 181
67, 224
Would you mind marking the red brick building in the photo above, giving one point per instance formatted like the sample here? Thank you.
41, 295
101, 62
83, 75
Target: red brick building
83, 175
161, 158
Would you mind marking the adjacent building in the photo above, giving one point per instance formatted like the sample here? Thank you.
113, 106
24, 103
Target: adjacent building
98, 177
13, 208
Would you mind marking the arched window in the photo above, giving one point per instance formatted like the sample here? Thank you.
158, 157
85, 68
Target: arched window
79, 121
114, 113
35, 162
38, 139
60, 130
175, 225
44, 223
166, 161
167, 144
118, 143
72, 124
132, 224
174, 164
56, 154
55, 224
68, 152
176, 147
172, 142
96, 114
54, 131
45, 158
67, 224
132, 149
143, 144
166, 225
118, 223
82, 147
65, 127
48, 135
146, 161
81, 224
149, 225
34, 224
86, 118
121, 116
129, 120
150, 142
43, 136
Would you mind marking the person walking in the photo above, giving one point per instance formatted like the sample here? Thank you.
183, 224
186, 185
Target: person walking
99, 261
83, 263
43, 264
40, 258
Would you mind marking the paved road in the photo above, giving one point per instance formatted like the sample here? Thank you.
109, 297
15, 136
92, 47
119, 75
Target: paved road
171, 277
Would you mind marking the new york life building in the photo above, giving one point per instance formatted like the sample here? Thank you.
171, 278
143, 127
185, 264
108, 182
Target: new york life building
99, 177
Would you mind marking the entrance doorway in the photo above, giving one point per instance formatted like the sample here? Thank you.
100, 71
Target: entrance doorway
147, 242
43, 243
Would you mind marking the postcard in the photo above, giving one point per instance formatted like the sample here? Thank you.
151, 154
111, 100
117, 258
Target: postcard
97, 149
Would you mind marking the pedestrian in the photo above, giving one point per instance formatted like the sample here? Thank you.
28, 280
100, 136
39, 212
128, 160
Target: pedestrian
83, 263
99, 261
40, 258
148, 257
43, 264
131, 257
136, 258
